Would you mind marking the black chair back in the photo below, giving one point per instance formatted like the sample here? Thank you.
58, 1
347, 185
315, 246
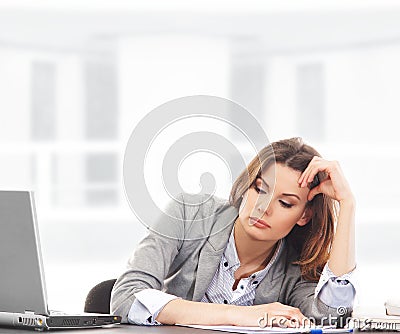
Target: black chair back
98, 298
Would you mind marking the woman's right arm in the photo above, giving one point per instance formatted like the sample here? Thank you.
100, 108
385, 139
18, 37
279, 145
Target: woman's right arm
147, 269
150, 263
180, 311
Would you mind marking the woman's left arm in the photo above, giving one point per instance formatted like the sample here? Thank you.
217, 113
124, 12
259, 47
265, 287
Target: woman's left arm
342, 254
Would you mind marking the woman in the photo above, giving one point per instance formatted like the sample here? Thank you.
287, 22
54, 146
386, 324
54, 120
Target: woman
272, 255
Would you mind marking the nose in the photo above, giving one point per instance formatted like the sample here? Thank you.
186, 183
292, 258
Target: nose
267, 211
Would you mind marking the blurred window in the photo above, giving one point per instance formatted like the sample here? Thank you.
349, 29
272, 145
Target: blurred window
101, 177
43, 87
311, 101
101, 108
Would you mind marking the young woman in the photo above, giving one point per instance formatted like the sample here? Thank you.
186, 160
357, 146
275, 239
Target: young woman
279, 250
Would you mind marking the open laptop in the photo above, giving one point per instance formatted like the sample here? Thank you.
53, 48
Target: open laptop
23, 298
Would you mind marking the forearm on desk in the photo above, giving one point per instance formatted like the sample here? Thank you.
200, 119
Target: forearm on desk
180, 311
184, 312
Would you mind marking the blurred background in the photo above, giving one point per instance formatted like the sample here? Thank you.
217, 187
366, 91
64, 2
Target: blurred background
76, 76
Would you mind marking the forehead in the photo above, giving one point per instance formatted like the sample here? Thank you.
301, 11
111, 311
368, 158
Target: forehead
286, 180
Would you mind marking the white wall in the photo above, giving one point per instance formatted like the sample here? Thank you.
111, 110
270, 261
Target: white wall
82, 243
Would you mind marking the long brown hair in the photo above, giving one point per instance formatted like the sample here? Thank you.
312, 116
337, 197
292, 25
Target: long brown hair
312, 241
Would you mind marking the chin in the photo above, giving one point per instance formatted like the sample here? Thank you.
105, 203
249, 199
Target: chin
259, 234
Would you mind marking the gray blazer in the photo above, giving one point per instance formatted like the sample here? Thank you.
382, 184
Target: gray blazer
185, 267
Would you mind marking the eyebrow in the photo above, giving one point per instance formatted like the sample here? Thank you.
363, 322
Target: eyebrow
284, 194
294, 195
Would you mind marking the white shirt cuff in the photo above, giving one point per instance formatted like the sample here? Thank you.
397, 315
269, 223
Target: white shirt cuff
147, 305
336, 291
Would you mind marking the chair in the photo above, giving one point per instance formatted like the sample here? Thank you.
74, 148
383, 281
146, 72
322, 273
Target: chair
98, 298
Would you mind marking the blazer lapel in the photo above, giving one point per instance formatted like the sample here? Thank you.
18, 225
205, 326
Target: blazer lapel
208, 262
269, 289
210, 255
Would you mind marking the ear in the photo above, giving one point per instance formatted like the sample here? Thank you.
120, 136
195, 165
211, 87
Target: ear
306, 217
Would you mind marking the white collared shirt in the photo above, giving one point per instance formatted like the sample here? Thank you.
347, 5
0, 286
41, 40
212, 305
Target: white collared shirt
220, 289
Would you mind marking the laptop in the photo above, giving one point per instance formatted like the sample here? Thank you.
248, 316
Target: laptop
23, 298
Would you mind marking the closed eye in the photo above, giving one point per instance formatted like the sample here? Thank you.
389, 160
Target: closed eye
285, 205
259, 190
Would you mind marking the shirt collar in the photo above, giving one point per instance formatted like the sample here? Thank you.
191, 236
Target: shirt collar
231, 257
230, 253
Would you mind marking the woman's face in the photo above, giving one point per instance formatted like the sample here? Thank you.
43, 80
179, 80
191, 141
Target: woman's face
267, 215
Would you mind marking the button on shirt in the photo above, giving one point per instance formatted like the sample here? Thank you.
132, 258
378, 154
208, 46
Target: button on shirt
220, 289
331, 290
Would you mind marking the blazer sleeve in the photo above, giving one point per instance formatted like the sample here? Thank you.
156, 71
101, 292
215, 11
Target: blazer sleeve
303, 297
149, 264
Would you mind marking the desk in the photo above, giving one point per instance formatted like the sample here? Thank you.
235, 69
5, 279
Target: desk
118, 329
130, 329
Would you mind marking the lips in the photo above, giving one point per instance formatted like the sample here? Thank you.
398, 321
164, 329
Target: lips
259, 223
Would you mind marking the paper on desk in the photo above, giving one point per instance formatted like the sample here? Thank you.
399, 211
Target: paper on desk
266, 330
252, 329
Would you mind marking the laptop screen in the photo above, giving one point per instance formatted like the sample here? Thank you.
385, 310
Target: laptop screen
22, 286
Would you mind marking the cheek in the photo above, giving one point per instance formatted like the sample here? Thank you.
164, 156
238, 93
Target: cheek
284, 227
247, 204
289, 217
